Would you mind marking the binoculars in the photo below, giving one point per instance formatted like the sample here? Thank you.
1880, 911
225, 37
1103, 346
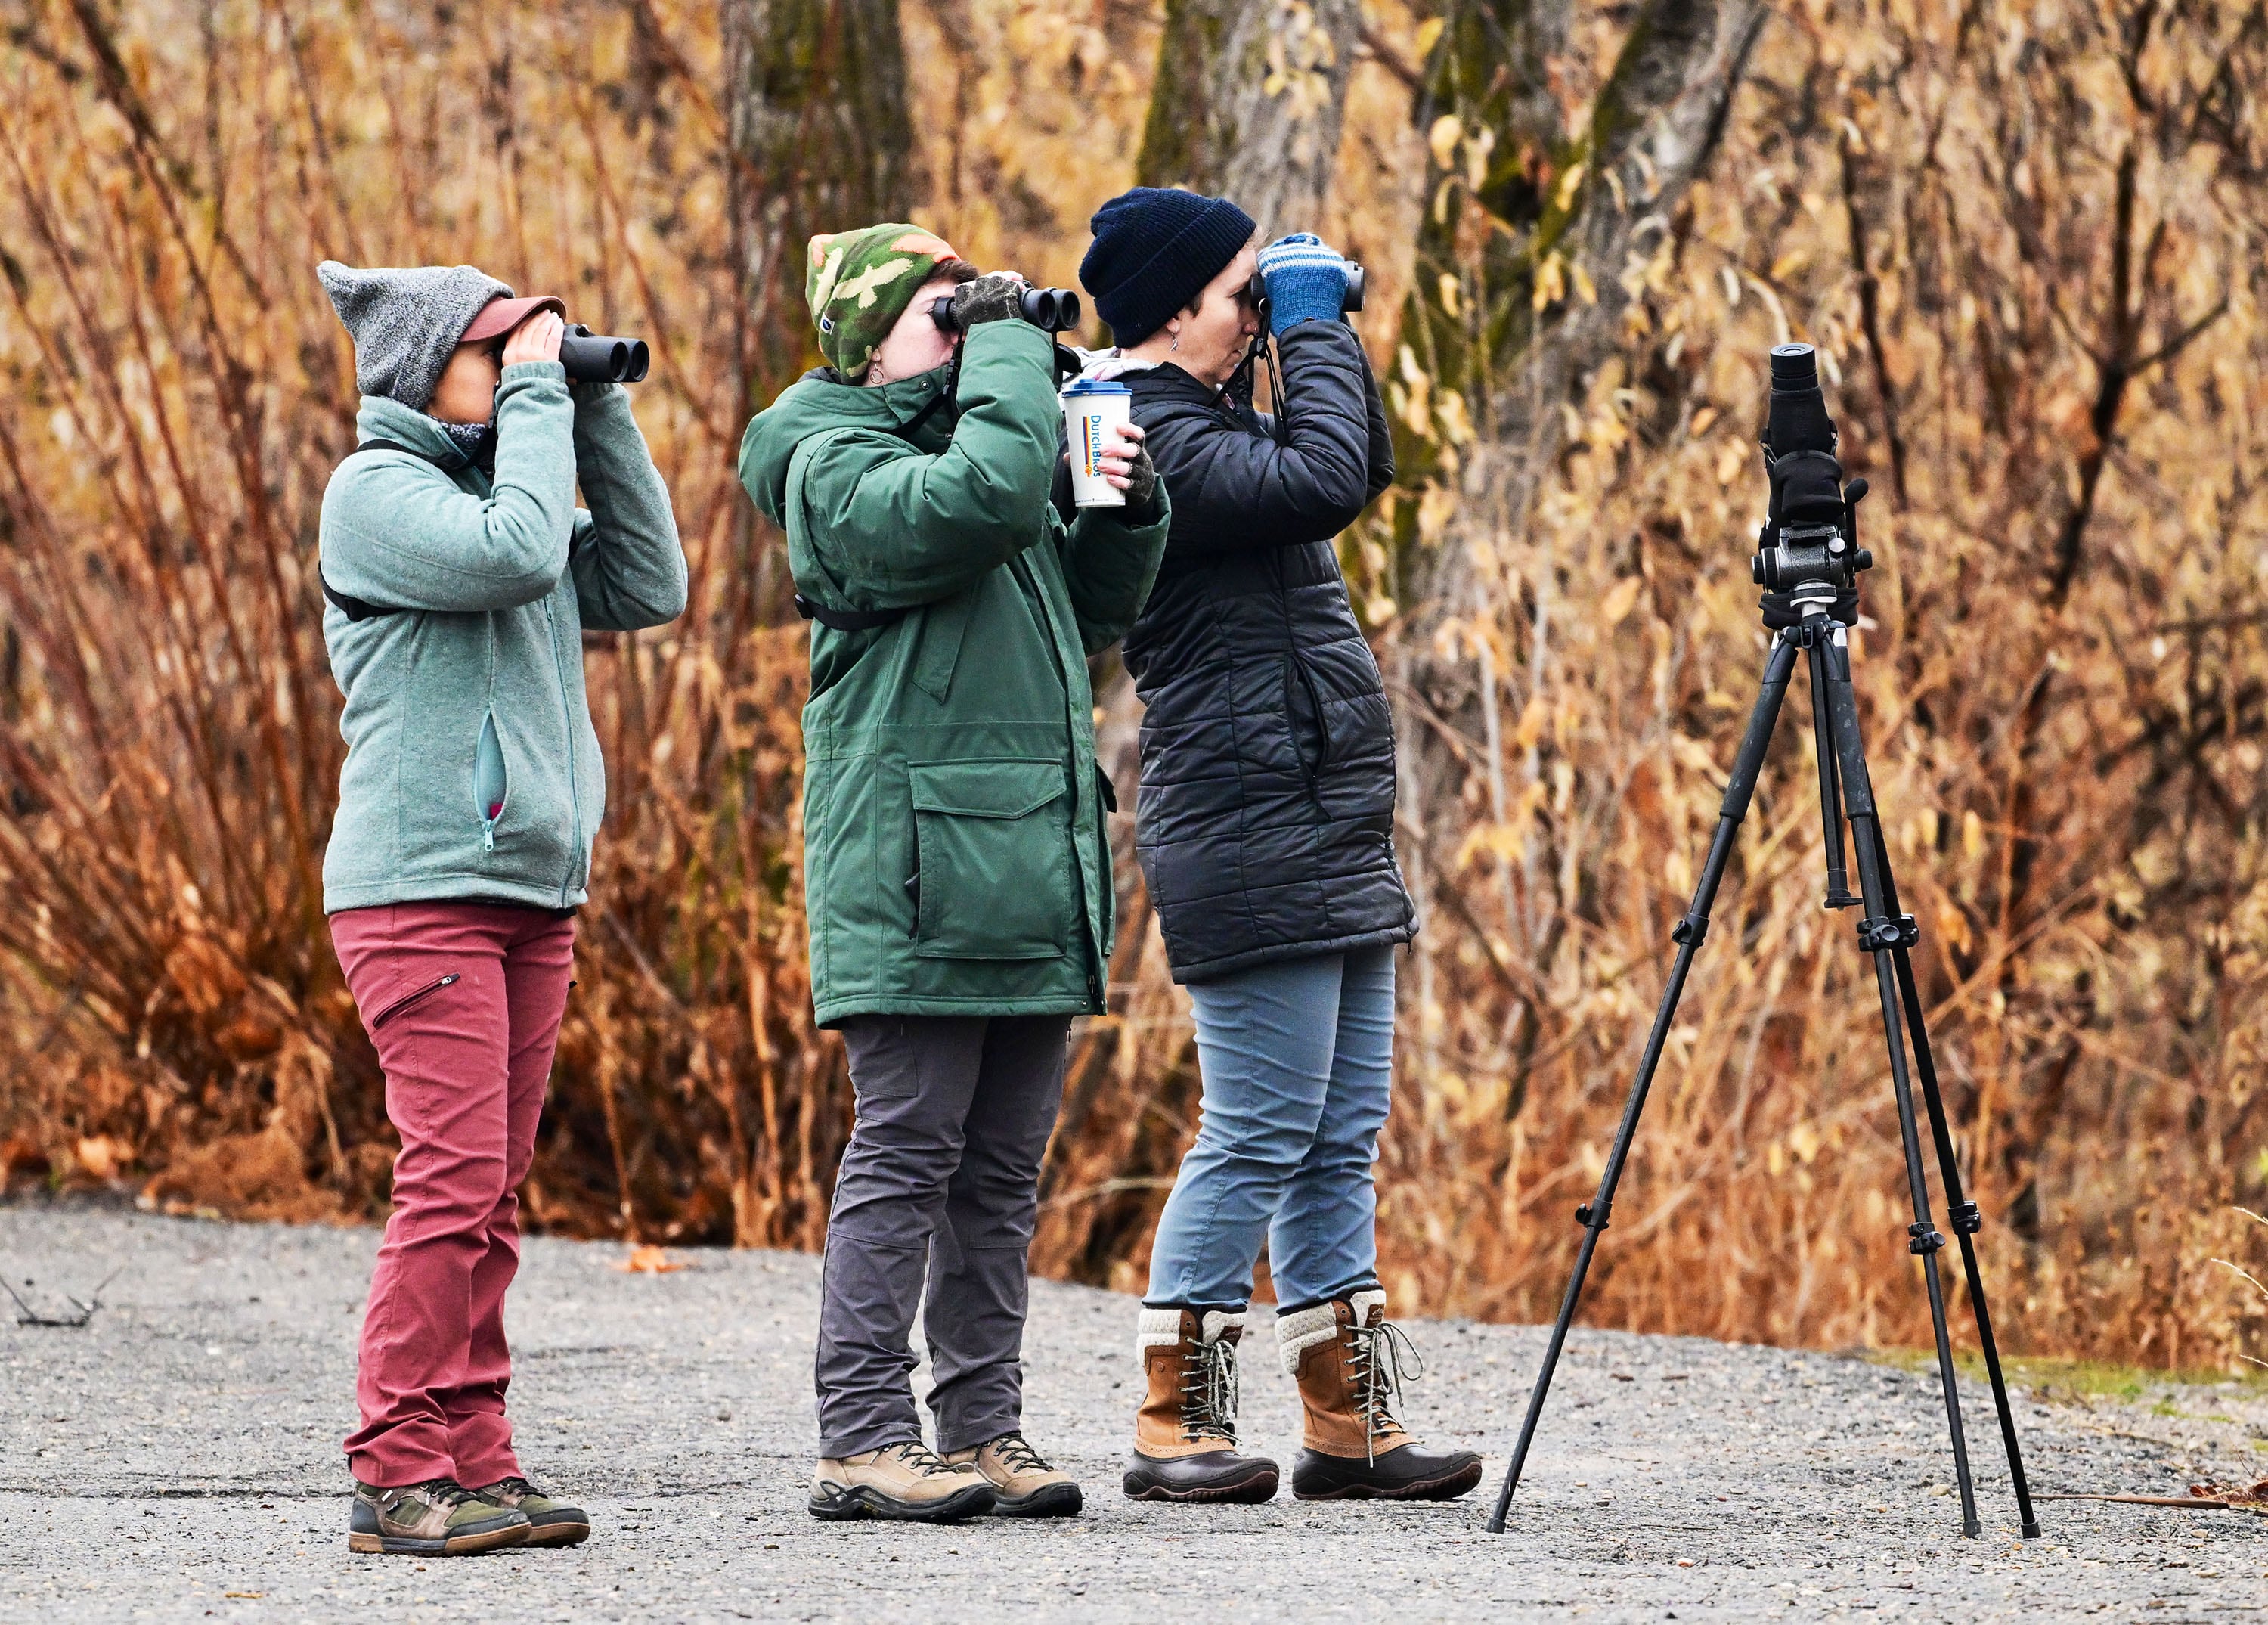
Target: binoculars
593, 358
1052, 309
1256, 289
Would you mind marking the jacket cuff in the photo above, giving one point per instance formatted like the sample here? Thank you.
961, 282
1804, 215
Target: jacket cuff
1009, 336
599, 408
534, 373
1160, 512
1325, 329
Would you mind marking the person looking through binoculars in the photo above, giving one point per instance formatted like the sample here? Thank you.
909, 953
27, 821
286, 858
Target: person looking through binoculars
1265, 830
957, 875
461, 577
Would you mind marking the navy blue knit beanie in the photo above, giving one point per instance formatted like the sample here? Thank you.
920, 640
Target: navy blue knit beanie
1154, 250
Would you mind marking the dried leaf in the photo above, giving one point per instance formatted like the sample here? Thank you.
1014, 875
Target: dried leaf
650, 1260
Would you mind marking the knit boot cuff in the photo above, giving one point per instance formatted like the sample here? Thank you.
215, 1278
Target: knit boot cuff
1301, 1330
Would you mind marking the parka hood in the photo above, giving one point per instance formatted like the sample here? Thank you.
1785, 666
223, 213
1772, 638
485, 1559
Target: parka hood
1104, 364
819, 400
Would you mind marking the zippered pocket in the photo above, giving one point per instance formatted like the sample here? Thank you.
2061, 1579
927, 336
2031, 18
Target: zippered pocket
1323, 717
490, 786
409, 999
1304, 719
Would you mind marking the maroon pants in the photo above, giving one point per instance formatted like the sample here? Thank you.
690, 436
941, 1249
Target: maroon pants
463, 1002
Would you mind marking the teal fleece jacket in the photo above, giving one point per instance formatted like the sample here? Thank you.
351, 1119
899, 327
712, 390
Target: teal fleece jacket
472, 768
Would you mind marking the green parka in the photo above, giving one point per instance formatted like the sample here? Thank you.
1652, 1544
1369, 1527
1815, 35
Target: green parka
955, 862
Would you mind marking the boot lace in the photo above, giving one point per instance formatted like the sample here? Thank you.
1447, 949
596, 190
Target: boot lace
919, 1457
1018, 1455
439, 1492
1379, 1359
1209, 1392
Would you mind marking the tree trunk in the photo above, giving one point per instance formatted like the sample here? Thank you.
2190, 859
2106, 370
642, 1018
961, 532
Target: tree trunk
1523, 257
1247, 102
821, 142
1498, 146
1534, 242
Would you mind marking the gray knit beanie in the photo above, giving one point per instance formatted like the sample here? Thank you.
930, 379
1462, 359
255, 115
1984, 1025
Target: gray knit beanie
405, 322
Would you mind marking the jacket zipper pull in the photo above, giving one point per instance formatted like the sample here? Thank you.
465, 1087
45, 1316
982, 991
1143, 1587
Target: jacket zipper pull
487, 828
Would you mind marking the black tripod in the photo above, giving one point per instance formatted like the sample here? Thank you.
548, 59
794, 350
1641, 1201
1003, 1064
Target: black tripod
1813, 564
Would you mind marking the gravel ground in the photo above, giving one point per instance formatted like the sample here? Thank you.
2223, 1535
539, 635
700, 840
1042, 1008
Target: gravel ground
179, 1460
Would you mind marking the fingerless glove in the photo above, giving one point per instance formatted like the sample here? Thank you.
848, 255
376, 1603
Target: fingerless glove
991, 298
1141, 488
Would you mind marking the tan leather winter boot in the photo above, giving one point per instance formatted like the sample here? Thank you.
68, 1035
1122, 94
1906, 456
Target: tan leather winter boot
1348, 1361
1185, 1433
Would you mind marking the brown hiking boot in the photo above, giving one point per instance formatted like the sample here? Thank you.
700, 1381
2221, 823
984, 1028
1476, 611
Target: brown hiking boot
1348, 1358
1024, 1485
439, 1517
1185, 1433
906, 1481
550, 1522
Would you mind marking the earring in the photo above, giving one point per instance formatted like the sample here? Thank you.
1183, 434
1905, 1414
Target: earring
874, 373
1176, 345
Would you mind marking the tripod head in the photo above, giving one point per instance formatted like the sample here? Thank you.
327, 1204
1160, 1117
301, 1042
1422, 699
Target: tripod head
1810, 556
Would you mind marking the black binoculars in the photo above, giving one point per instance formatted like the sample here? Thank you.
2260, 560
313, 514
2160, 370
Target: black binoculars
1053, 309
592, 358
1256, 289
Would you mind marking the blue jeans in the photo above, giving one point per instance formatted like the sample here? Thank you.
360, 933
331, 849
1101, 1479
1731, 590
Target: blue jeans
1298, 1059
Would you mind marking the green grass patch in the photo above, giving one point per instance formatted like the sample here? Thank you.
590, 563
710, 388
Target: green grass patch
2073, 1380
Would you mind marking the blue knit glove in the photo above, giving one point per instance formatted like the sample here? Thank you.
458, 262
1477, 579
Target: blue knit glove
1305, 278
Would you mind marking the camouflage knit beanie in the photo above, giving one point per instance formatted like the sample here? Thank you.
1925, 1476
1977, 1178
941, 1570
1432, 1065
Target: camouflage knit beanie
860, 282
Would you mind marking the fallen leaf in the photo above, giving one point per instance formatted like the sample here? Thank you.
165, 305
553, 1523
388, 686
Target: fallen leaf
101, 1155
2233, 1494
650, 1260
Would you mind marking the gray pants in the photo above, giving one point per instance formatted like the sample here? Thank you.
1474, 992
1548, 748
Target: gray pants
942, 1174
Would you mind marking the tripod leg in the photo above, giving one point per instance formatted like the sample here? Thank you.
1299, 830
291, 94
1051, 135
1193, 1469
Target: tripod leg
1966, 1219
1830, 792
1880, 932
1593, 1216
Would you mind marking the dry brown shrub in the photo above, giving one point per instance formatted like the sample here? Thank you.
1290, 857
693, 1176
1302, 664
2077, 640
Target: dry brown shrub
2068, 736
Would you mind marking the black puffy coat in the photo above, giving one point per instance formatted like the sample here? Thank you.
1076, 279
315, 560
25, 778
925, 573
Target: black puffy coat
1265, 818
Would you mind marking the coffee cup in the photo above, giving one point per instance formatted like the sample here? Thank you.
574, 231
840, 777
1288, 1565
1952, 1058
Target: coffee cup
1093, 410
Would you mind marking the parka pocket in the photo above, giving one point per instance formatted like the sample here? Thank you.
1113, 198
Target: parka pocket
492, 786
1303, 711
993, 850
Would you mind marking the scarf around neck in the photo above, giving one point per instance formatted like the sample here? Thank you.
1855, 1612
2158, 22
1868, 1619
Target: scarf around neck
477, 441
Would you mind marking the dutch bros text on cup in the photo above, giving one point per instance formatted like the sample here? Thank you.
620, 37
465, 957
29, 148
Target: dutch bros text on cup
1091, 408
